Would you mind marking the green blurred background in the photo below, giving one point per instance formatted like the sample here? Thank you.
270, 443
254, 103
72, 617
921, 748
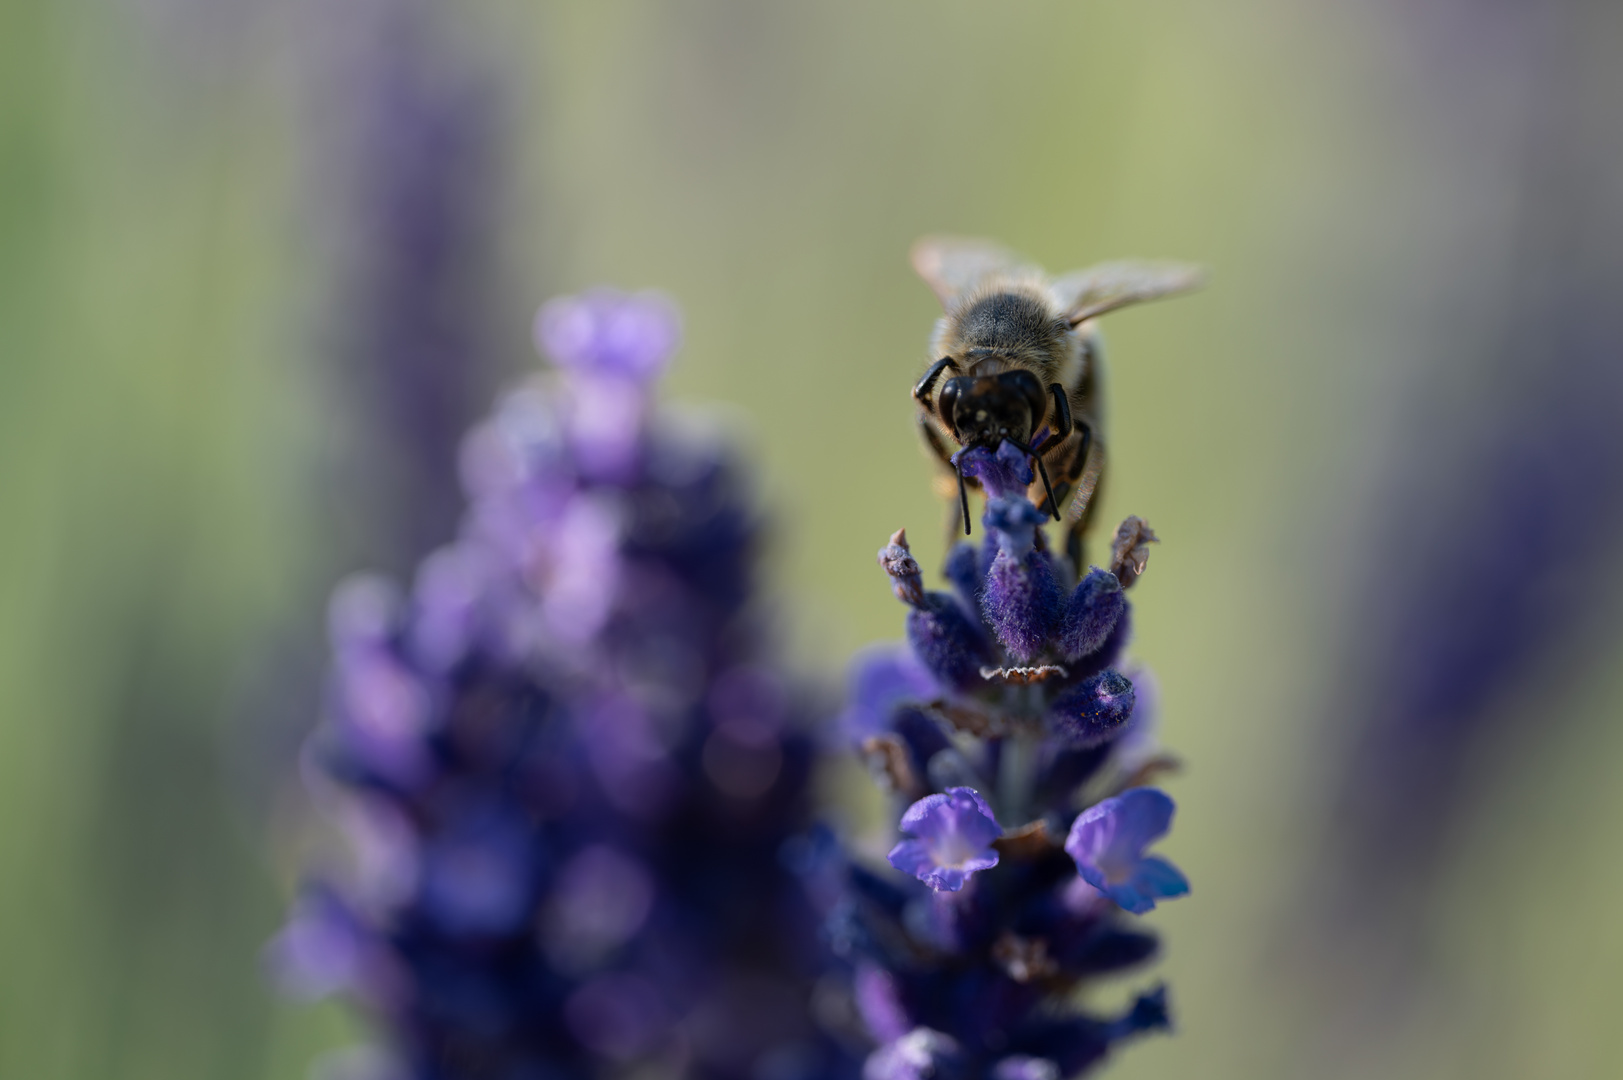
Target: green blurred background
190, 452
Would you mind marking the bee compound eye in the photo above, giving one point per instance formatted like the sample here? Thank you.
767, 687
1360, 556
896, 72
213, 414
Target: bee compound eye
949, 404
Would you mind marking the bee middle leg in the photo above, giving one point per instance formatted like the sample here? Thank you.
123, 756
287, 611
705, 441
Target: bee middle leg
1068, 459
923, 392
1074, 462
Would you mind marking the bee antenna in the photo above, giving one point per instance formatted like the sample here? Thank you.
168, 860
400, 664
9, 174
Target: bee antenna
963, 496
1053, 504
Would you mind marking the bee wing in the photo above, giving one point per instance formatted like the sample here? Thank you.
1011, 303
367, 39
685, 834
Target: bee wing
952, 266
1086, 294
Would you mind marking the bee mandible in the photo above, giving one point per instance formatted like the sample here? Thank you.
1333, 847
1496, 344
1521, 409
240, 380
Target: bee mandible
1018, 360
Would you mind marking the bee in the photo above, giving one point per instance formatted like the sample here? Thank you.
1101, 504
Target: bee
1018, 360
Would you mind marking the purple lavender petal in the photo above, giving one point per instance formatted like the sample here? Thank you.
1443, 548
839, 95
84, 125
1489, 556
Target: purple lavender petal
959, 806
477, 879
1155, 877
320, 951
882, 678
1107, 841
581, 578
629, 755
364, 612
878, 1001
916, 857
449, 596
952, 839
602, 897
382, 715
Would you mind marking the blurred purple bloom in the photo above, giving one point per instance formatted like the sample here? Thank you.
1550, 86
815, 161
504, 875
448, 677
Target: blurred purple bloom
1023, 1067
409, 135
568, 770
607, 333
921, 1054
875, 992
321, 950
1108, 841
882, 678
952, 839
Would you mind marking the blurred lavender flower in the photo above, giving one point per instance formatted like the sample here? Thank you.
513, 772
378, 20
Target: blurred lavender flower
1488, 581
404, 143
408, 139
1007, 706
567, 772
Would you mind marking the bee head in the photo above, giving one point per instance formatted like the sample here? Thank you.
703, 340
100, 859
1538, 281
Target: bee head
985, 410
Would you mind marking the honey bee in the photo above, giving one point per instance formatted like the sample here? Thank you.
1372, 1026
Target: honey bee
1018, 361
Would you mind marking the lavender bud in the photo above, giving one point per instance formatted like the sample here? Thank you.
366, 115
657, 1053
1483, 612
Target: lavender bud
1093, 612
1094, 711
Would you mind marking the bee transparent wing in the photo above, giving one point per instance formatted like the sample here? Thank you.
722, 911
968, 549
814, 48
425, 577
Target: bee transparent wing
952, 266
1087, 294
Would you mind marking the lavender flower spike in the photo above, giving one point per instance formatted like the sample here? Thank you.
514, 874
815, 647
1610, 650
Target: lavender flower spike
1025, 708
952, 834
573, 778
1108, 841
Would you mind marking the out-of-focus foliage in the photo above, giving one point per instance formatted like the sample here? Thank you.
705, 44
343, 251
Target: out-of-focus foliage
172, 431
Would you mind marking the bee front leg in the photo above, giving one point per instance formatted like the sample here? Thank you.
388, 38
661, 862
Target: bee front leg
1060, 428
922, 392
938, 445
1062, 412
1068, 469
953, 488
